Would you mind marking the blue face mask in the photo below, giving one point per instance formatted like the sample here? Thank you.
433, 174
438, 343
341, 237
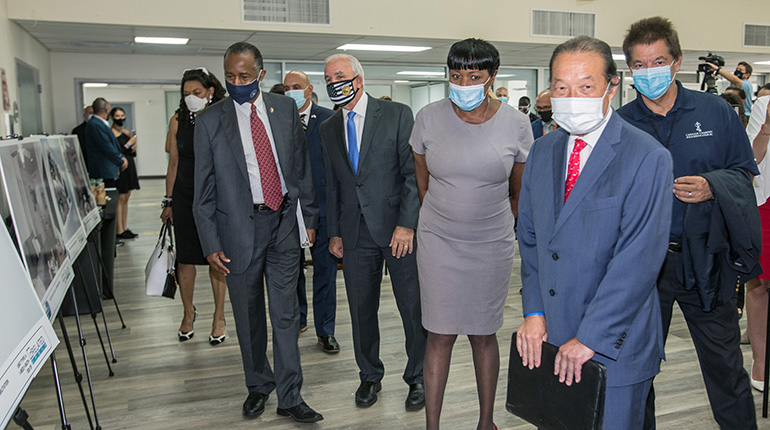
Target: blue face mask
243, 93
298, 96
467, 97
503, 99
653, 82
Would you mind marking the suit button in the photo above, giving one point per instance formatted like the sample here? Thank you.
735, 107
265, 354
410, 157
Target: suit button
552, 293
617, 346
359, 185
623, 336
555, 257
251, 216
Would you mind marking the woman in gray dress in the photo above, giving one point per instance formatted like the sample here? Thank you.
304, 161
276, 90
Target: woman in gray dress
469, 153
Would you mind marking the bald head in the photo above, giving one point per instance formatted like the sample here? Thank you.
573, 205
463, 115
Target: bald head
544, 98
298, 82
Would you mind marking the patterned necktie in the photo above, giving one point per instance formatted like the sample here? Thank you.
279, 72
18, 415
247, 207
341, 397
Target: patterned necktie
573, 170
268, 171
303, 118
352, 142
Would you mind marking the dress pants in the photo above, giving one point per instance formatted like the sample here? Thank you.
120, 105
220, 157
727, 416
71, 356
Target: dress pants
717, 341
363, 277
324, 284
276, 263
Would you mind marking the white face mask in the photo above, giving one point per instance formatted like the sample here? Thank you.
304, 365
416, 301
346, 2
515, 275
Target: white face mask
579, 115
196, 104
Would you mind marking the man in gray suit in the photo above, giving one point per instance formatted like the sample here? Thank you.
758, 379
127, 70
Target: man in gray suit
372, 209
252, 169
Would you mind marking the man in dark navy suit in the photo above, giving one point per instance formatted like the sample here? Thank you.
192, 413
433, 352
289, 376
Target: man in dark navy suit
105, 160
298, 87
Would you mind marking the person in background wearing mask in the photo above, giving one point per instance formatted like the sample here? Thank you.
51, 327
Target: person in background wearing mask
524, 105
545, 124
739, 78
80, 130
469, 152
297, 86
713, 162
199, 89
502, 94
252, 171
595, 202
128, 179
372, 209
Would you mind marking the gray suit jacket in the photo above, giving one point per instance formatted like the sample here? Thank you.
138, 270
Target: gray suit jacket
385, 189
222, 205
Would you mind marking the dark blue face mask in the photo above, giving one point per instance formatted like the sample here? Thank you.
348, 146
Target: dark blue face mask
243, 93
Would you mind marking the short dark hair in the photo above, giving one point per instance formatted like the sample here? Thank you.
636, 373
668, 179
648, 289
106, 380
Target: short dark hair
473, 54
739, 90
648, 31
245, 48
763, 87
524, 99
114, 110
278, 89
100, 105
747, 66
588, 44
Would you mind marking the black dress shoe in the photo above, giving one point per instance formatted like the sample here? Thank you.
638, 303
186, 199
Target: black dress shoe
302, 413
254, 405
366, 394
329, 344
415, 400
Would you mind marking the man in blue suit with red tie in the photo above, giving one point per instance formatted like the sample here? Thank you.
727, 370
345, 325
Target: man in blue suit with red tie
594, 213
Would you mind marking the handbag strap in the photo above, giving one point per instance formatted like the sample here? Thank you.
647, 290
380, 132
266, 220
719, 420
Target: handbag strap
162, 234
169, 229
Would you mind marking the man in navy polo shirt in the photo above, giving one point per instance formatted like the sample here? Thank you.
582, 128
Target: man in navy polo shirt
706, 140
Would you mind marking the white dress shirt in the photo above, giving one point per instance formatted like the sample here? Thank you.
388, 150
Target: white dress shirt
761, 182
591, 139
306, 112
358, 120
244, 126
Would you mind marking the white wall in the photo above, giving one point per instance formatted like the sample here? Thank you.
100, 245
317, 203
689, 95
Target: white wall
149, 120
16, 43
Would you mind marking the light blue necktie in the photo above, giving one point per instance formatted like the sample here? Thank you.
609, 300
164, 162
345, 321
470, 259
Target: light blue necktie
352, 142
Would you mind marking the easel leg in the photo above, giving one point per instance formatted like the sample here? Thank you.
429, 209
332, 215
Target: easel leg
108, 285
64, 424
79, 274
767, 359
78, 375
85, 358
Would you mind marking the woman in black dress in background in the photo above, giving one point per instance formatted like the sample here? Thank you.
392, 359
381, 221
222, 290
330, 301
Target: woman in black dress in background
128, 179
199, 89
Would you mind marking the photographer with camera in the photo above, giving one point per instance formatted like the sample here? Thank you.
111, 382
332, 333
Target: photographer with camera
739, 78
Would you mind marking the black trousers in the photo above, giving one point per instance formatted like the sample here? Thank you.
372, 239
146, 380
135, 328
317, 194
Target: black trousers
716, 336
362, 269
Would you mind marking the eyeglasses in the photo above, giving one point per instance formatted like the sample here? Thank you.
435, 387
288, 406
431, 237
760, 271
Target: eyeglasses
202, 69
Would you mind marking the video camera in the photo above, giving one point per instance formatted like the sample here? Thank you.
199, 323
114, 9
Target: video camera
709, 75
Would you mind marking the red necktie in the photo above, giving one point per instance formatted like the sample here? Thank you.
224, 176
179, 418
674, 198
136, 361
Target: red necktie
573, 170
268, 172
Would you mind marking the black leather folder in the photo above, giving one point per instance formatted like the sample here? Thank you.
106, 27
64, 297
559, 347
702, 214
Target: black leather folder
538, 397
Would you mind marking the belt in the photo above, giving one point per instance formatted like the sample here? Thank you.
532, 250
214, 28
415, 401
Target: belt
674, 246
265, 208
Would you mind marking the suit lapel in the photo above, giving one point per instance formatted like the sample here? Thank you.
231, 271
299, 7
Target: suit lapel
600, 159
312, 121
559, 164
278, 129
229, 120
338, 142
370, 125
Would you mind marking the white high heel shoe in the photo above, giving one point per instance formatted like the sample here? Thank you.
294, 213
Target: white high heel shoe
757, 385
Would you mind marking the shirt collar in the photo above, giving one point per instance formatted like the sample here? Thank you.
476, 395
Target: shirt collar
360, 107
592, 138
684, 100
107, 123
306, 112
259, 102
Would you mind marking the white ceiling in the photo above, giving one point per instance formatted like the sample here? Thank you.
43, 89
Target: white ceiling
118, 39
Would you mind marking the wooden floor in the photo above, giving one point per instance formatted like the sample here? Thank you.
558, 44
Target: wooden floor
160, 383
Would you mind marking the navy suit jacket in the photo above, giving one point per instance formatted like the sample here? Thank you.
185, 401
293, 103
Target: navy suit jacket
223, 205
104, 156
318, 115
591, 264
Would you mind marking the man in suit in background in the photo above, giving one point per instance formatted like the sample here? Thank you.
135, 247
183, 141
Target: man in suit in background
545, 123
251, 166
80, 130
593, 234
298, 87
105, 160
372, 207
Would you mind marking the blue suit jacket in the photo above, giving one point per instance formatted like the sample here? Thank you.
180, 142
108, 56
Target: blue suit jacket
104, 157
591, 264
318, 115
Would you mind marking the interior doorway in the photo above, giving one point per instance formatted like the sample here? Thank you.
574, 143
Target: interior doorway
30, 113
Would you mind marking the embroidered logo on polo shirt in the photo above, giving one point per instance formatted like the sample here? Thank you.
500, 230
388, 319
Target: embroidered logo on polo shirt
699, 132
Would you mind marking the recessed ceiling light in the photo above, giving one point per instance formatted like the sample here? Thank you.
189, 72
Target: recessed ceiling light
618, 57
314, 73
419, 73
401, 82
388, 48
95, 84
506, 76
162, 40
763, 63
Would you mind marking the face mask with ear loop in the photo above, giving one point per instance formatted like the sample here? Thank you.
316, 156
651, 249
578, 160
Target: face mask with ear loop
196, 104
579, 115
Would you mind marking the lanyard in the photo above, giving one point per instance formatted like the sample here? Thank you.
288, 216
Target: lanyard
670, 132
